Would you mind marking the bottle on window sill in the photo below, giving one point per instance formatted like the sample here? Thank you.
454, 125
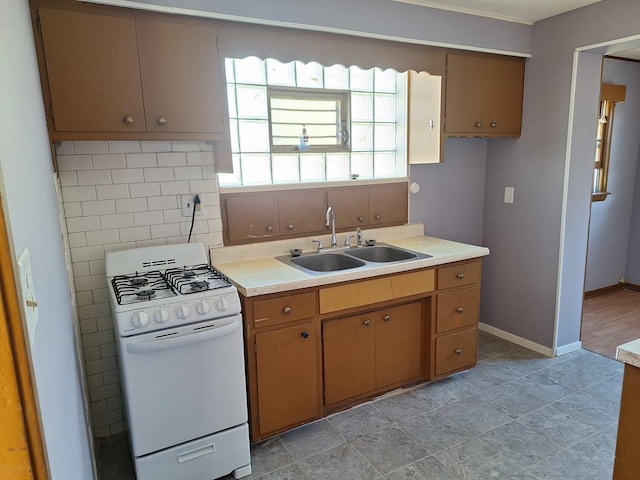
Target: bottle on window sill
304, 140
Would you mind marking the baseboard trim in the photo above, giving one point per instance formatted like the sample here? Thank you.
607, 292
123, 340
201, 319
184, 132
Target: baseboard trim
604, 290
631, 286
571, 347
523, 342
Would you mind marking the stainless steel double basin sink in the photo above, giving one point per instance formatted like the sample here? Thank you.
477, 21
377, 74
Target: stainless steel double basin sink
336, 260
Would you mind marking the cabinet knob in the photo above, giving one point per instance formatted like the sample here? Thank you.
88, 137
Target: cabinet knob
128, 120
290, 226
386, 318
377, 216
459, 309
460, 276
493, 124
458, 351
361, 219
287, 310
366, 323
304, 334
478, 125
162, 121
270, 228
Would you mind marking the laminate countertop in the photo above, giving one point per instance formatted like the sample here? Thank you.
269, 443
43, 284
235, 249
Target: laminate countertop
629, 353
255, 270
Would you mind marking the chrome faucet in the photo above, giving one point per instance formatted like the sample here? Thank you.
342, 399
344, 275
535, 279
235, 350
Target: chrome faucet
359, 236
331, 220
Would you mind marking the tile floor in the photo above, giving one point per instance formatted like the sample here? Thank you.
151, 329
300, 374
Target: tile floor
516, 416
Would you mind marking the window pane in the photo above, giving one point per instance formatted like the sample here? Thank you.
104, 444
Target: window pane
362, 165
285, 168
309, 75
361, 79
336, 77
228, 70
361, 107
256, 169
250, 70
385, 108
385, 136
361, 136
311, 167
252, 101
254, 135
231, 100
338, 166
385, 165
279, 73
235, 141
385, 80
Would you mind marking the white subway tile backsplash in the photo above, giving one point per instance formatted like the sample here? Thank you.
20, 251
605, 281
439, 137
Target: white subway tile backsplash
84, 298
151, 243
206, 146
105, 322
112, 376
156, 146
91, 354
97, 267
88, 326
126, 205
174, 216
174, 188
88, 147
79, 194
103, 237
124, 146
99, 207
172, 159
213, 239
108, 350
164, 174
85, 254
209, 172
185, 146
211, 199
215, 225
187, 173
163, 231
72, 209
90, 283
200, 158
105, 392
77, 239
80, 269
141, 160
95, 310
83, 224
127, 175
162, 203
116, 221
112, 160
101, 365
199, 226
101, 294
94, 381
94, 177
197, 186
68, 178
74, 162
64, 148
148, 218
135, 233
119, 246
144, 189
111, 192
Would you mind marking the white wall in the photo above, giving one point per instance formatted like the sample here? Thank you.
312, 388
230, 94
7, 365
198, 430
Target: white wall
610, 223
31, 206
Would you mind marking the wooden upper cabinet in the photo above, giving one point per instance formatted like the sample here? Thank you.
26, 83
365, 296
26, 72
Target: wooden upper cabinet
93, 71
114, 75
484, 95
301, 212
388, 204
181, 77
424, 132
250, 217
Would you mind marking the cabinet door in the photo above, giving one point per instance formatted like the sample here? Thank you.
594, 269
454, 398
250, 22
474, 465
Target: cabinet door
181, 77
252, 216
301, 212
424, 132
388, 204
287, 376
93, 72
349, 357
465, 96
505, 84
351, 206
398, 344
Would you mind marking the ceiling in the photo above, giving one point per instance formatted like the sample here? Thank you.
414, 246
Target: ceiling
519, 11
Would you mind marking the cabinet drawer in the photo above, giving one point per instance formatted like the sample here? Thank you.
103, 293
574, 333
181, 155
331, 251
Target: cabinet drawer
459, 275
283, 309
456, 351
457, 309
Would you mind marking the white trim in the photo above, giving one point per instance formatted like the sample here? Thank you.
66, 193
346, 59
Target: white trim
301, 26
571, 347
468, 11
523, 342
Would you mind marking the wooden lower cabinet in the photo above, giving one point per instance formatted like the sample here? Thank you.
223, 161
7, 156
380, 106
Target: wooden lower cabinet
456, 351
287, 380
367, 352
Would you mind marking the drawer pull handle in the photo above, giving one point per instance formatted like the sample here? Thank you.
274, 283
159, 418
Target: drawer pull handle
290, 226
287, 310
460, 276
361, 219
377, 216
304, 334
386, 318
366, 323
478, 125
128, 120
269, 228
459, 309
162, 121
458, 351
493, 124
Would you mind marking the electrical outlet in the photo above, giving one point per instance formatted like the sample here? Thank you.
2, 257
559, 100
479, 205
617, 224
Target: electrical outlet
186, 203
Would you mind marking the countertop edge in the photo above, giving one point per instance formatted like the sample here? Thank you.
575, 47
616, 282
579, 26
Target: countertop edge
629, 353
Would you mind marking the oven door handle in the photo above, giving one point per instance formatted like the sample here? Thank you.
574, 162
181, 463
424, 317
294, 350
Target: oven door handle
164, 343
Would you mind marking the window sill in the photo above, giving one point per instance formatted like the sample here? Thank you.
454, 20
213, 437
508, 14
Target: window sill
599, 197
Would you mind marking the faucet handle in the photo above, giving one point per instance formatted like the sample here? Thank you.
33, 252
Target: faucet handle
347, 242
320, 247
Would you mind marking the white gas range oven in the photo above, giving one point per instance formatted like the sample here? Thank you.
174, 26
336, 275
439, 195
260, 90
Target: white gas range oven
181, 354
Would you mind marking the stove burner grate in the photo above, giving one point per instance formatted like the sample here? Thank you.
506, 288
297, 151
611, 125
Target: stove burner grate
196, 278
141, 287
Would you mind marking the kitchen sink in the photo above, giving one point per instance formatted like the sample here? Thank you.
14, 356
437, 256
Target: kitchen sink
327, 262
381, 254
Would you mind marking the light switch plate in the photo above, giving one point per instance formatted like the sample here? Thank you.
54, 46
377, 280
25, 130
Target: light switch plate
27, 290
508, 194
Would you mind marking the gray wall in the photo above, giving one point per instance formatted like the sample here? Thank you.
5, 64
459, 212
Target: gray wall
451, 198
30, 204
610, 223
633, 258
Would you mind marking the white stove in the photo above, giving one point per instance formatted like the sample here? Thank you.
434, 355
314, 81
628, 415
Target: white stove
181, 353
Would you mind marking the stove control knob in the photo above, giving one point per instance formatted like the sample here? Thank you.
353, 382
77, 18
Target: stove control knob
182, 311
203, 308
222, 304
140, 320
161, 316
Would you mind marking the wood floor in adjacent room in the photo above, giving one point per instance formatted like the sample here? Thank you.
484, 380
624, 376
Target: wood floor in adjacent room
610, 320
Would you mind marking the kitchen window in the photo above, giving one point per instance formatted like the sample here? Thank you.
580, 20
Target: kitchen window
304, 122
